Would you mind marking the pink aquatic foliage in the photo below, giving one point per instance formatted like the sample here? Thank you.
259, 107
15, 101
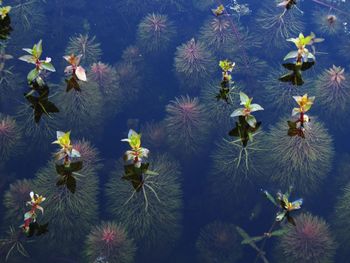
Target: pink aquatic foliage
309, 241
333, 90
193, 61
155, 32
89, 154
186, 123
109, 241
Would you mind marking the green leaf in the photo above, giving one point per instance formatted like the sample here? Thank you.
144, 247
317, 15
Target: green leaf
152, 173
244, 98
279, 232
39, 49
292, 54
48, 66
270, 197
28, 59
252, 240
251, 120
32, 75
255, 107
238, 112
28, 50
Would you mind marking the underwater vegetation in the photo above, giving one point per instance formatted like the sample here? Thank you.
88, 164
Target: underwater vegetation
37, 132
155, 32
80, 110
279, 95
15, 200
154, 135
218, 242
310, 240
234, 166
89, 155
132, 55
26, 16
217, 111
297, 161
333, 90
130, 80
72, 215
152, 215
109, 242
217, 34
188, 75
328, 22
274, 27
13, 245
10, 137
87, 46
186, 124
107, 80
193, 63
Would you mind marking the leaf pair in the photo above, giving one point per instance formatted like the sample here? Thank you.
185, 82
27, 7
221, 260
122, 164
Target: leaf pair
40, 104
295, 77
244, 131
36, 229
66, 175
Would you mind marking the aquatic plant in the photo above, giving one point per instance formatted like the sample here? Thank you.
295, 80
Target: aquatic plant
217, 111
297, 161
33, 57
159, 224
105, 76
27, 16
247, 110
327, 22
155, 32
274, 27
80, 110
132, 9
74, 72
132, 54
217, 34
332, 87
10, 137
109, 242
129, 81
279, 95
310, 240
218, 242
250, 68
154, 135
235, 166
15, 199
107, 80
88, 153
71, 215
13, 245
39, 133
85, 45
193, 62
186, 124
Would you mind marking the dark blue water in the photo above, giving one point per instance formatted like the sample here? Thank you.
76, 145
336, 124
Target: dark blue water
153, 66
